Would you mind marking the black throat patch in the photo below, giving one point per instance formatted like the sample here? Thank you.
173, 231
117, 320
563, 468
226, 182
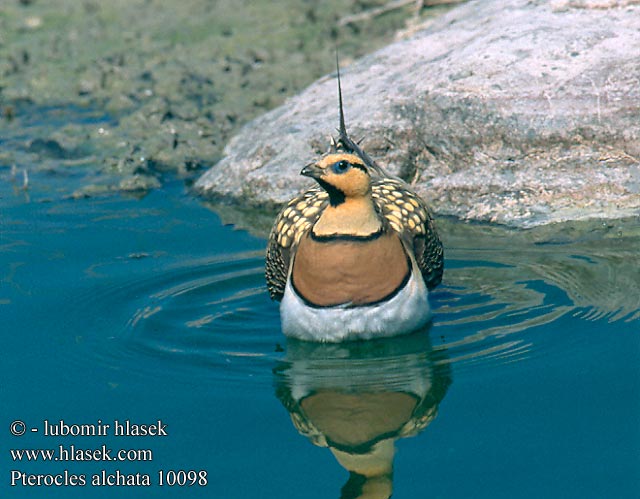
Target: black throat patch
336, 196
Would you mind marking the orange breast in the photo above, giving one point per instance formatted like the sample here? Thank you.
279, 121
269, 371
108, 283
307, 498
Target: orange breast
336, 271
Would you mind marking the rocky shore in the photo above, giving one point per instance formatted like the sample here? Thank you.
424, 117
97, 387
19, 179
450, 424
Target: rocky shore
117, 94
517, 112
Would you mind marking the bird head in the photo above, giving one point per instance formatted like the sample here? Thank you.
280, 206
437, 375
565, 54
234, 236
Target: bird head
342, 175
345, 171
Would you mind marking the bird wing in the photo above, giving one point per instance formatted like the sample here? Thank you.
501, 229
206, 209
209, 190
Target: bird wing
409, 215
293, 221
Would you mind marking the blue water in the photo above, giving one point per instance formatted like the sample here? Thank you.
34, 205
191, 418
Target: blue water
119, 308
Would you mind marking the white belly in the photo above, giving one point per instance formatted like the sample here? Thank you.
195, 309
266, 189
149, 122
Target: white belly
403, 313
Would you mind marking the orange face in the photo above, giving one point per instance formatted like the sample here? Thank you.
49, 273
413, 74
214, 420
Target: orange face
343, 171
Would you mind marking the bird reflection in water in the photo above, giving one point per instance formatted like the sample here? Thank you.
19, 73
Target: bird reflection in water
359, 398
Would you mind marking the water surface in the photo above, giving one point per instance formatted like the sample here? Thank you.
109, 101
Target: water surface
525, 384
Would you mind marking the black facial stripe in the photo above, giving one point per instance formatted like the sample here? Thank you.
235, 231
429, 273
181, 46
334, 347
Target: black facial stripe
361, 167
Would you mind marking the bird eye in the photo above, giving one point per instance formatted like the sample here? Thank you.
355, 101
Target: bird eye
340, 167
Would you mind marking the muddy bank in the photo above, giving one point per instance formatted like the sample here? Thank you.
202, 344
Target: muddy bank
166, 83
517, 112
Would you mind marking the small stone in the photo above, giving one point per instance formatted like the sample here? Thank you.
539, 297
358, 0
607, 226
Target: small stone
139, 182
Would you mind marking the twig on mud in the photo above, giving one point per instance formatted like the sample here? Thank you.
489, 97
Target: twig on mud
369, 14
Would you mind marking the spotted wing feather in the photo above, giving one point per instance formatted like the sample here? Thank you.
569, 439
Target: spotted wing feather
295, 220
408, 215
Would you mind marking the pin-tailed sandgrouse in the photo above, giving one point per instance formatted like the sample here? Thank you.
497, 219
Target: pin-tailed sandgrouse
354, 256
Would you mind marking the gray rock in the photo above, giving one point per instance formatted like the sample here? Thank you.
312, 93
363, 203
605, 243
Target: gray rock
518, 112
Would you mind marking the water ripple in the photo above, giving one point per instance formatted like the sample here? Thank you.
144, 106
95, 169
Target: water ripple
207, 317
212, 317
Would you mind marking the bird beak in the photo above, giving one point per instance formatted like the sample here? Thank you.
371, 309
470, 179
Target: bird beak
312, 170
